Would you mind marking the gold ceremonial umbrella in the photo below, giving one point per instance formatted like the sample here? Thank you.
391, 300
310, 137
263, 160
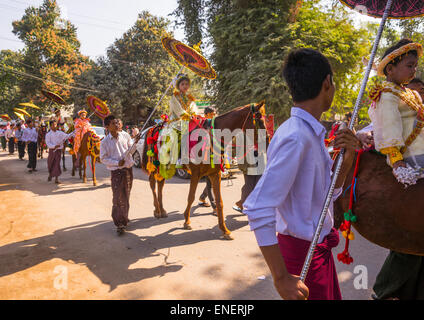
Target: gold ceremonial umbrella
29, 104
20, 116
22, 111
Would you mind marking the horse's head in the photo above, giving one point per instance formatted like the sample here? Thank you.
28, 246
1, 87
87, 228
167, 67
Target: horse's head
255, 119
259, 113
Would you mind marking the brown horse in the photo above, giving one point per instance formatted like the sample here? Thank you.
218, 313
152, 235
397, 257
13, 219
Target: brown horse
41, 140
90, 146
387, 214
240, 118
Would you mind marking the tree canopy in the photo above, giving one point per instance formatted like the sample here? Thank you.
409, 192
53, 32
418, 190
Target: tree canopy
135, 71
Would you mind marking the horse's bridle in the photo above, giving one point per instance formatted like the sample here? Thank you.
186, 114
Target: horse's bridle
255, 115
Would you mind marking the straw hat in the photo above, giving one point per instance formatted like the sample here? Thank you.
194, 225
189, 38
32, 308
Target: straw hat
397, 53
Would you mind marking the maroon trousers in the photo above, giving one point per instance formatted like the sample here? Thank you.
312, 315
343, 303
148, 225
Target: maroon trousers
53, 163
321, 279
121, 180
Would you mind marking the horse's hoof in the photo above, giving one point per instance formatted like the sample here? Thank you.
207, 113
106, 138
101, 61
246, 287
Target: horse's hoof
163, 214
228, 236
187, 227
157, 214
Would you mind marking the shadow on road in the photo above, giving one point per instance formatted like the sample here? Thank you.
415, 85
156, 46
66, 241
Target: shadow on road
105, 254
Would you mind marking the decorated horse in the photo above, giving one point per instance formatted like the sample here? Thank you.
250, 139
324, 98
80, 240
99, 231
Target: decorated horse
90, 147
41, 140
246, 117
380, 208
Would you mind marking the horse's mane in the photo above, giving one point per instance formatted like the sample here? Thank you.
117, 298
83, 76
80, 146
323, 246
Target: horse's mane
232, 110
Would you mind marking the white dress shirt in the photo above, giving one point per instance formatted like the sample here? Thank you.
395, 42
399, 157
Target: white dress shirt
10, 133
30, 135
290, 195
54, 138
113, 150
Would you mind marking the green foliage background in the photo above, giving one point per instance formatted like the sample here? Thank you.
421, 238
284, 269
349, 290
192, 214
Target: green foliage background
245, 40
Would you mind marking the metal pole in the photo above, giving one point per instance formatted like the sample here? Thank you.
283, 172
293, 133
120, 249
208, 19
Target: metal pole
133, 147
339, 162
163, 96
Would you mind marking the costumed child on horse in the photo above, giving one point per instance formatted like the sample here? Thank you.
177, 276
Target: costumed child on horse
397, 112
182, 108
397, 122
82, 126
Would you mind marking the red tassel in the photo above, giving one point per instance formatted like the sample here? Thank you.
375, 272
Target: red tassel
344, 226
345, 257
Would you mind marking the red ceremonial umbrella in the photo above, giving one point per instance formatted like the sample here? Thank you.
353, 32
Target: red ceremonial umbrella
189, 57
98, 107
395, 9
5, 117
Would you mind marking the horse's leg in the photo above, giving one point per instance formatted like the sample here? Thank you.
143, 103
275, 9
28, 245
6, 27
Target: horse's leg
84, 177
216, 187
93, 169
163, 212
194, 181
63, 157
73, 165
152, 181
79, 161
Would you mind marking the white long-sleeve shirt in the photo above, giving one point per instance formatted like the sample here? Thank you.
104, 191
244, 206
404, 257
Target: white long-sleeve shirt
30, 135
113, 150
10, 133
290, 195
54, 138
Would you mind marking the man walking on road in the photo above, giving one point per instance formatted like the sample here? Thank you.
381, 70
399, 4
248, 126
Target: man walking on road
112, 153
30, 137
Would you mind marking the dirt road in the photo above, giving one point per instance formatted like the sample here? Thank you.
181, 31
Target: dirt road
59, 242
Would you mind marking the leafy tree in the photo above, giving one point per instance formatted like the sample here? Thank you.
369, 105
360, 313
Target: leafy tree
51, 51
249, 41
9, 82
135, 72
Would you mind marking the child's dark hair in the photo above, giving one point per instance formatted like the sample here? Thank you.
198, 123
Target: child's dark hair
208, 110
52, 121
108, 120
181, 79
304, 71
398, 45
